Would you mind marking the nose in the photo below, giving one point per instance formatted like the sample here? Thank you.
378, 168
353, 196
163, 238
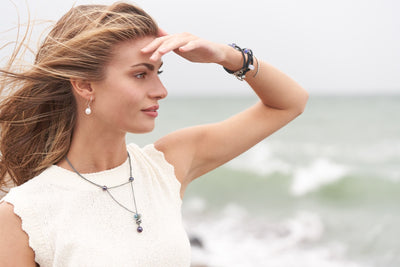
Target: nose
159, 91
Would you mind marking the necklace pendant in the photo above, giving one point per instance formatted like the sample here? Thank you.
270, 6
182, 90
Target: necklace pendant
138, 219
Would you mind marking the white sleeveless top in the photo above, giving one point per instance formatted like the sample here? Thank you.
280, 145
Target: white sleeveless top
71, 222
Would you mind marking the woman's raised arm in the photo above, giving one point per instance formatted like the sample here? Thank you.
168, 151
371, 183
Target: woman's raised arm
197, 150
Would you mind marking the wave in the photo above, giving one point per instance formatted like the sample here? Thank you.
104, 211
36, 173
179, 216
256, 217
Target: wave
260, 160
232, 238
311, 168
319, 173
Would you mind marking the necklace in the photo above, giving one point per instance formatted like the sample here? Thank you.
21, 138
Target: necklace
137, 216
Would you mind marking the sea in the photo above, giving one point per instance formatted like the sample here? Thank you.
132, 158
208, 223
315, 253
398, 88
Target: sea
324, 191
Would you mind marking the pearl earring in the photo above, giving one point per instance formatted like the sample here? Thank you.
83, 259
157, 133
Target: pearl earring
88, 110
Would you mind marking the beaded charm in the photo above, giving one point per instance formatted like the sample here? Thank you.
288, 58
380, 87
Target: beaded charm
138, 218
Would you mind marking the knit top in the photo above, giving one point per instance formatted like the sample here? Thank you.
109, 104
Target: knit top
71, 222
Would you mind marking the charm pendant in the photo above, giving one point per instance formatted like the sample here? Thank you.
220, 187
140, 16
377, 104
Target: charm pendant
138, 219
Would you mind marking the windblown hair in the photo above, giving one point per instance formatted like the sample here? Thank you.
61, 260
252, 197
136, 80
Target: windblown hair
38, 116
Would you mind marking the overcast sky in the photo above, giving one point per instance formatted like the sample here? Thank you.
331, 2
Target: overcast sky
345, 46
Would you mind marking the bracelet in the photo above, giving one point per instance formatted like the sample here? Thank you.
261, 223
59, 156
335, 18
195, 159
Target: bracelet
247, 63
258, 67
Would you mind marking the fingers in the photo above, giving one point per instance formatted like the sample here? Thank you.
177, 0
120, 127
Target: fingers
165, 44
153, 45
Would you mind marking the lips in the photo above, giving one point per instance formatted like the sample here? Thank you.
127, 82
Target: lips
151, 111
152, 108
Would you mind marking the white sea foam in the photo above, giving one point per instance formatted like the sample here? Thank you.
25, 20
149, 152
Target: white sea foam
232, 239
319, 173
260, 160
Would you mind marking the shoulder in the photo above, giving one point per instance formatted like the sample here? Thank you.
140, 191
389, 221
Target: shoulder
14, 242
150, 155
152, 160
48, 177
180, 147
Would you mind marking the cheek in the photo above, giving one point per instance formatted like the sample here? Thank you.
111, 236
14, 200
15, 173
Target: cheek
130, 99
118, 102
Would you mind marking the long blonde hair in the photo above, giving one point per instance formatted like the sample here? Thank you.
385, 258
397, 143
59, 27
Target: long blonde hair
37, 119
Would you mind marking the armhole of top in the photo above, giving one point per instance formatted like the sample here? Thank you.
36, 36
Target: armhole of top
159, 159
35, 236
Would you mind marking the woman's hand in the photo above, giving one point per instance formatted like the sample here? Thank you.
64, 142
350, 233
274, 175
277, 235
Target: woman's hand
187, 46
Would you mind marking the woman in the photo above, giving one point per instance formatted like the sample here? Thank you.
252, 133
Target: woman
85, 198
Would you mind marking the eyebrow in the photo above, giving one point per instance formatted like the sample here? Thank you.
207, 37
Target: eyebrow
147, 65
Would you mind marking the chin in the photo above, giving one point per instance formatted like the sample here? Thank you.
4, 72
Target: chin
142, 130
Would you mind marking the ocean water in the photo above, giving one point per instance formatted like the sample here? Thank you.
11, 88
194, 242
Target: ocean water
323, 191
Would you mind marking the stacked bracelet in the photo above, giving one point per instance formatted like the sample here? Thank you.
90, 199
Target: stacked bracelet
247, 62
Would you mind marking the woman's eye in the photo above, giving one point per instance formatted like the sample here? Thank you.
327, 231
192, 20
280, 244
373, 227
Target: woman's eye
140, 75
143, 75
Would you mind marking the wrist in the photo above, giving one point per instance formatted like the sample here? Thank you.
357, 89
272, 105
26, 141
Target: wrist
247, 61
232, 59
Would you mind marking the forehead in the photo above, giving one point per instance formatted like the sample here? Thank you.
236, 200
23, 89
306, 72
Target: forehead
128, 52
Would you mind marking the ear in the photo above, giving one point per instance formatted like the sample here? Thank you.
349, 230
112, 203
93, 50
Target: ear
82, 88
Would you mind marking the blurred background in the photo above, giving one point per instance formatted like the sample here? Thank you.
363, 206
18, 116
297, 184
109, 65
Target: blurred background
323, 191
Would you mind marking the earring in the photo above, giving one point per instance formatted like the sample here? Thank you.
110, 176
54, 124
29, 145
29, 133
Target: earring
88, 110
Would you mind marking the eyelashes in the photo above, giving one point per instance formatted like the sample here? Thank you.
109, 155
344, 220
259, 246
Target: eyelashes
143, 75
140, 75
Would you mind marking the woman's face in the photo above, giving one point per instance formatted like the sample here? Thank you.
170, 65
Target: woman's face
127, 99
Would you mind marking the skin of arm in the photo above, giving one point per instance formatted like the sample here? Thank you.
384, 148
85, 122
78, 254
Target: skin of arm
14, 242
197, 150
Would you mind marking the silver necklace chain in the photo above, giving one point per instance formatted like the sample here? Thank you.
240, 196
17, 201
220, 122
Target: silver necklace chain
137, 216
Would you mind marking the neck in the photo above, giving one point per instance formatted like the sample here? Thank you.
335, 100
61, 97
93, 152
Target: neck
95, 151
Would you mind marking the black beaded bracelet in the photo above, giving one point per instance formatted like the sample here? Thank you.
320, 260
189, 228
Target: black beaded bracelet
247, 62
